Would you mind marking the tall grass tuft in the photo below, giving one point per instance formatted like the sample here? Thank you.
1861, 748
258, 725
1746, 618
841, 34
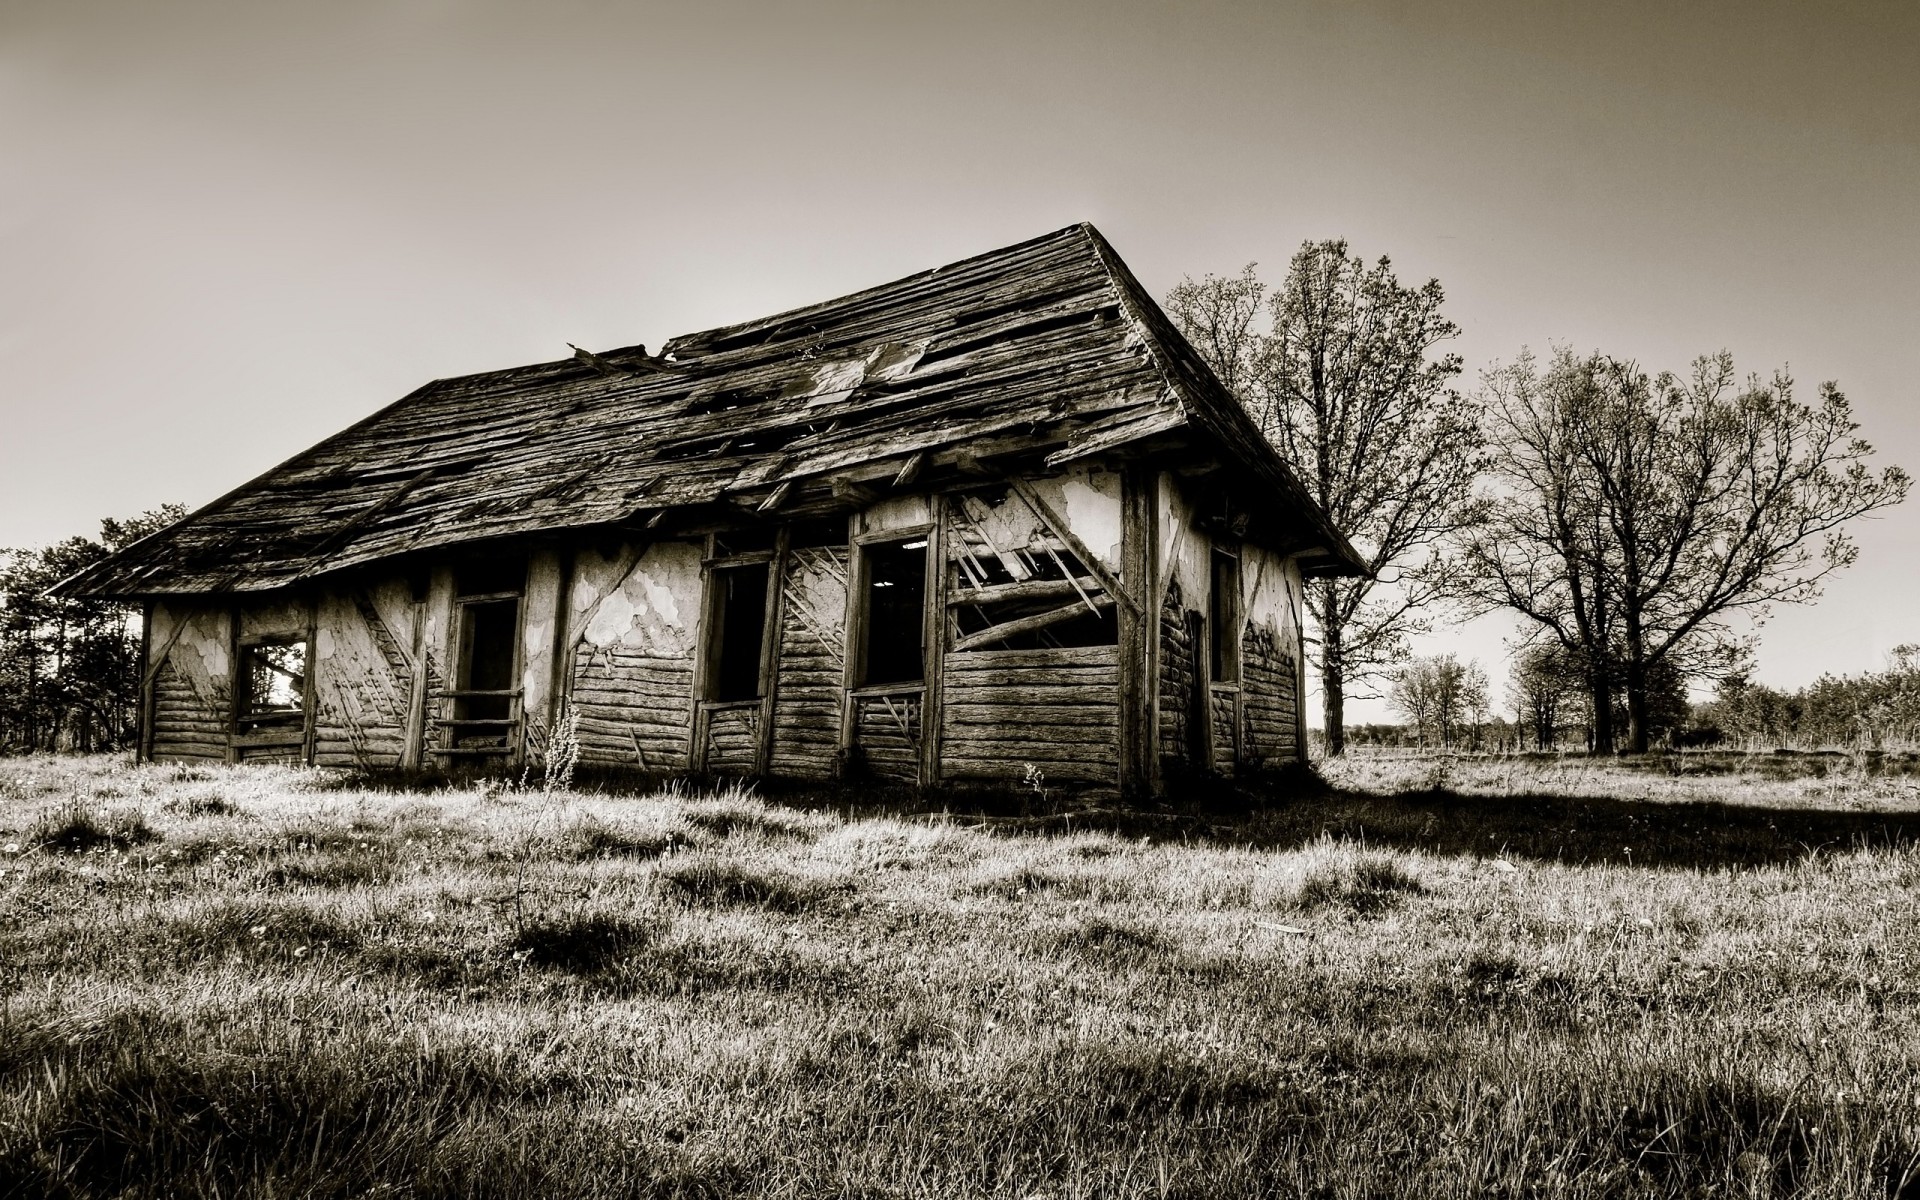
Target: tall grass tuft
1366, 885
75, 828
582, 943
726, 882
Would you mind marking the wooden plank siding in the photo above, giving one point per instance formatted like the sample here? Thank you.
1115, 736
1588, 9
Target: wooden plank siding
886, 734
185, 726
730, 737
1178, 677
363, 684
1057, 709
812, 663
635, 709
1225, 726
1269, 700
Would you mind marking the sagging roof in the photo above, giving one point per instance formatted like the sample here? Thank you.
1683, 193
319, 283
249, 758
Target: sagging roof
1049, 344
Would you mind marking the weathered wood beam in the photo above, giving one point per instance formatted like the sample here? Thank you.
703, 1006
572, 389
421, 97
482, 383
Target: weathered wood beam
1138, 629
776, 497
853, 493
1020, 625
1032, 589
1059, 529
910, 470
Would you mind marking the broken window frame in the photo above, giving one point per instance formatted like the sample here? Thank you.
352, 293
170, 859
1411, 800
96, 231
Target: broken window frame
1024, 592
1225, 618
253, 725
714, 674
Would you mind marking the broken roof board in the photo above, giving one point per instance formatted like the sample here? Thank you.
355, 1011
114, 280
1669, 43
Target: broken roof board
1051, 340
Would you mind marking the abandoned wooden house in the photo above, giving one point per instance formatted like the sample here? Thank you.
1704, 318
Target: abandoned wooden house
993, 519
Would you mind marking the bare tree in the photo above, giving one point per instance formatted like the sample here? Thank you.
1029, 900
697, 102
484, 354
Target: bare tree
1544, 678
1542, 551
1642, 516
1441, 695
1348, 386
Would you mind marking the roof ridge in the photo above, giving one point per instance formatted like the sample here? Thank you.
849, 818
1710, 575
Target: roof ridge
682, 341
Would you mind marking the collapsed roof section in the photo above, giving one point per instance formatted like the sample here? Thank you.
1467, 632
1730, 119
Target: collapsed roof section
1037, 354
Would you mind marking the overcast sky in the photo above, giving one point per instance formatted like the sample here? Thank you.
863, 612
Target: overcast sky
228, 230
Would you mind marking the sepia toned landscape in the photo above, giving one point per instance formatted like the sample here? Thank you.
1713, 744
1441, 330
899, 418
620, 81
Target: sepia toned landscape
999, 600
1680, 975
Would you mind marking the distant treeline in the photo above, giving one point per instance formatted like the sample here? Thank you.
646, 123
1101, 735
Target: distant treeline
69, 669
1878, 710
1875, 711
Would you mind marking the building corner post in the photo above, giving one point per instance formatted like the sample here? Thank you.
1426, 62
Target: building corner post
1138, 546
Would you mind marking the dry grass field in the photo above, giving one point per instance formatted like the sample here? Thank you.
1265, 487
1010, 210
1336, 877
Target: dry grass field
1421, 978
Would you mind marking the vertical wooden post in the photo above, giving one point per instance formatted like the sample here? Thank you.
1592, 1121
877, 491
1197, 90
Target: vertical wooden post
540, 604
856, 630
143, 716
308, 685
233, 683
1297, 589
1136, 569
704, 635
560, 685
772, 631
1153, 598
933, 641
443, 637
414, 746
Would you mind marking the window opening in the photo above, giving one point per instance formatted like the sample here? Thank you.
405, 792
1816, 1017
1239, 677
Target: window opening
487, 634
274, 678
485, 689
740, 623
896, 599
1013, 576
1223, 626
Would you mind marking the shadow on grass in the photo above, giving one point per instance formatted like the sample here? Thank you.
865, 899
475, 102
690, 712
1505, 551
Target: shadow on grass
1549, 828
1295, 806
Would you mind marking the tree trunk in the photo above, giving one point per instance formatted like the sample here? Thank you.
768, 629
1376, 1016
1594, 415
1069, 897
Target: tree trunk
1333, 677
1602, 698
1637, 738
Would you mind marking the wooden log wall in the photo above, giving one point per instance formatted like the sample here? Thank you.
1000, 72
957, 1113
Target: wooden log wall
192, 701
812, 664
186, 726
1225, 726
363, 676
886, 731
732, 736
1270, 659
631, 618
1057, 709
634, 709
1270, 721
1178, 677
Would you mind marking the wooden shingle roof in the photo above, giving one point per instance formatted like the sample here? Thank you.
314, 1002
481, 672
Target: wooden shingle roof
1050, 345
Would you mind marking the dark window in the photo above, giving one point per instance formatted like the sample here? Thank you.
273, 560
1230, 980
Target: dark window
896, 595
1223, 626
740, 621
491, 576
488, 631
274, 678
